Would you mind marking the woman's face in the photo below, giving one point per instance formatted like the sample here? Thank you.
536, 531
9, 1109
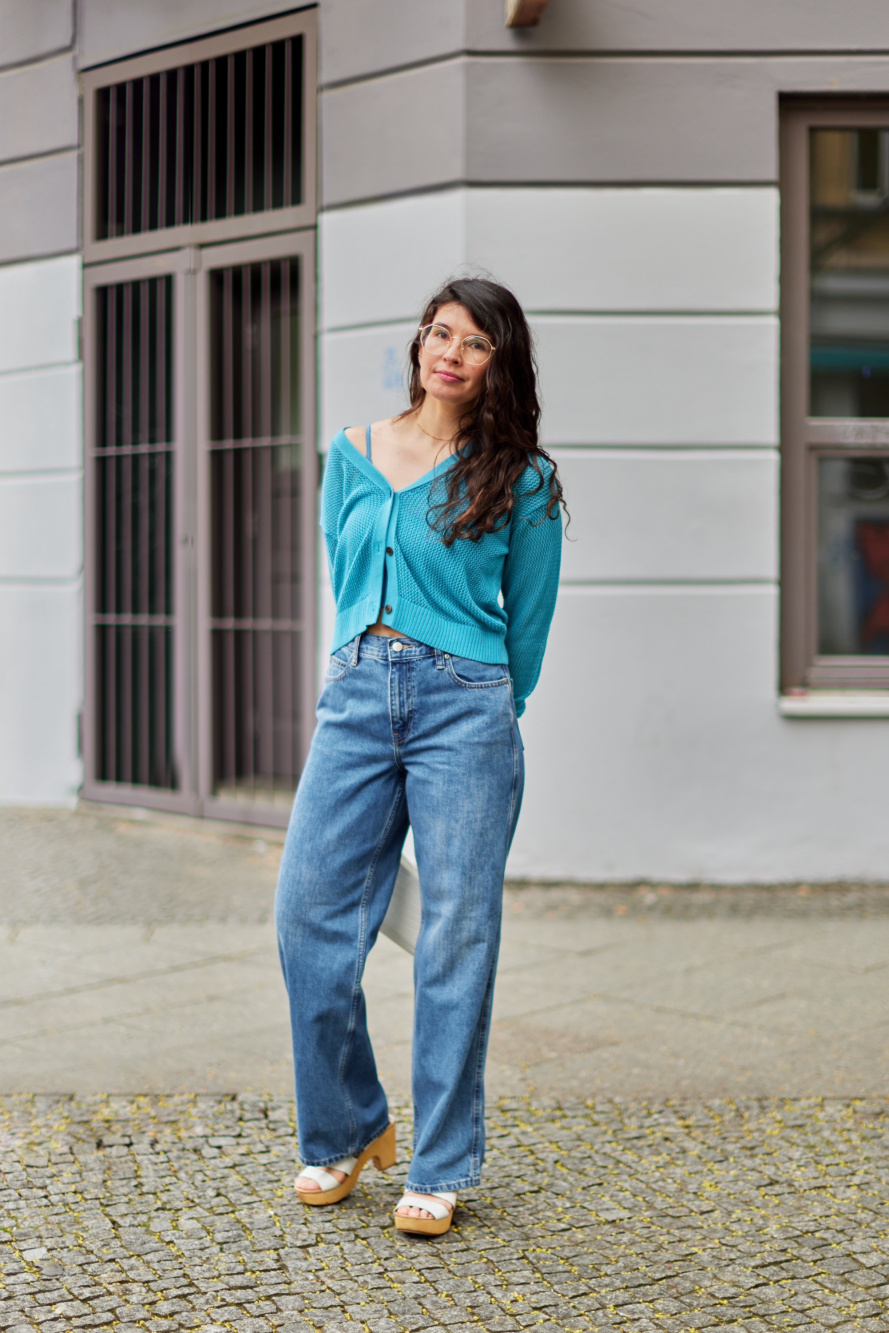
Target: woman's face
445, 373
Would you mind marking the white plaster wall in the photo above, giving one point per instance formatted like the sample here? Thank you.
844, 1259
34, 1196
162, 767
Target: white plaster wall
41, 536
655, 747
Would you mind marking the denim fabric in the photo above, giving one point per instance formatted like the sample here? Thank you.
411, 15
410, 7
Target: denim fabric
406, 734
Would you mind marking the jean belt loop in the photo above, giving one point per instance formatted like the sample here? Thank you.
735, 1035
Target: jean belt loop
356, 644
439, 660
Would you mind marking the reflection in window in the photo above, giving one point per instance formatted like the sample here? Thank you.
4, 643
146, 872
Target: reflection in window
849, 273
853, 556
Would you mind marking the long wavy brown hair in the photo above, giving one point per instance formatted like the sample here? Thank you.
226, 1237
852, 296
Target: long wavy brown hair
498, 435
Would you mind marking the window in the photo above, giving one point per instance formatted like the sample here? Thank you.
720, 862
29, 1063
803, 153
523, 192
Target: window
835, 395
198, 323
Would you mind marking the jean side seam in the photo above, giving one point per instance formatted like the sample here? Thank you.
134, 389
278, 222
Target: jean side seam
478, 1109
362, 958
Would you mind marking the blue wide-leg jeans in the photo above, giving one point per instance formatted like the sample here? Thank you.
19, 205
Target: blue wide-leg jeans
406, 735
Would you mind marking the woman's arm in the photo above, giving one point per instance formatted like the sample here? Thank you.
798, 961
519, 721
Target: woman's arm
530, 584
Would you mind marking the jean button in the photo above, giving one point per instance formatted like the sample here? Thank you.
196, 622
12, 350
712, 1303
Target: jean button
397, 646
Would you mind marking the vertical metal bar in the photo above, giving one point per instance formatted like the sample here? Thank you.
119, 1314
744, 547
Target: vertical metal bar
125, 599
267, 131
143, 530
197, 214
189, 611
288, 123
248, 134
128, 162
112, 462
265, 533
144, 378
158, 605
145, 223
179, 208
308, 474
111, 201
211, 140
230, 141
227, 717
287, 542
248, 514
162, 151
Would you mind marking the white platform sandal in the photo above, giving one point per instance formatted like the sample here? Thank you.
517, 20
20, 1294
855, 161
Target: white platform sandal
442, 1213
381, 1152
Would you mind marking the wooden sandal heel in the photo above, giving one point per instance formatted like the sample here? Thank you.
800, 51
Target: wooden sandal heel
382, 1152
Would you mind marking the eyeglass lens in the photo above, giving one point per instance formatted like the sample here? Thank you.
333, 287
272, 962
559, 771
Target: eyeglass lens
475, 348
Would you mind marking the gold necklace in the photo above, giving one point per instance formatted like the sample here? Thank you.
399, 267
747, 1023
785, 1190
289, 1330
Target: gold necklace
442, 439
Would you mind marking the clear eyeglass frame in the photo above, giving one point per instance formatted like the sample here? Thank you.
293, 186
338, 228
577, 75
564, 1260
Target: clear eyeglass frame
474, 356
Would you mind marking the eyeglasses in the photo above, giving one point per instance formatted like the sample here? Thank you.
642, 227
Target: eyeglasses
476, 349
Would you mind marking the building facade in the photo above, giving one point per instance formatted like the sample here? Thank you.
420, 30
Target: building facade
218, 223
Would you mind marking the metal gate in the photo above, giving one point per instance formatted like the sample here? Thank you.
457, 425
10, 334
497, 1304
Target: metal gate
201, 468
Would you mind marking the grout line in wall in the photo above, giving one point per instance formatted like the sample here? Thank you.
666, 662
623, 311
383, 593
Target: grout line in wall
43, 258
70, 150
668, 585
576, 314
42, 580
581, 183
21, 371
596, 56
33, 62
39, 474
689, 451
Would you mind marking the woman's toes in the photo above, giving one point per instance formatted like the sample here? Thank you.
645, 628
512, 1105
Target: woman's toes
306, 1185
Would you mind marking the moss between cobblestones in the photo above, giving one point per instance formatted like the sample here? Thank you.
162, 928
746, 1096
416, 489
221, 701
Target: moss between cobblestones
167, 1213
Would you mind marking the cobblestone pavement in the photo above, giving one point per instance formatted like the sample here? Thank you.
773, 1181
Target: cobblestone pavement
177, 1213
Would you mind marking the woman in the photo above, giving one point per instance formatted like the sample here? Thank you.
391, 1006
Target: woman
431, 519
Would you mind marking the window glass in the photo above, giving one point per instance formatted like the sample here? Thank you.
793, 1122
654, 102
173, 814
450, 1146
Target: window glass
853, 556
849, 272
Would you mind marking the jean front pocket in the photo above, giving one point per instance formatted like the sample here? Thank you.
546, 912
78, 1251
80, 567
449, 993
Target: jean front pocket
338, 665
471, 675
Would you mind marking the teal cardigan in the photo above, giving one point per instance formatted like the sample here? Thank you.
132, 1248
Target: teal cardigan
490, 600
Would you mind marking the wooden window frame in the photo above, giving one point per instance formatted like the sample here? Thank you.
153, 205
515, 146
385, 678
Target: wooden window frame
805, 439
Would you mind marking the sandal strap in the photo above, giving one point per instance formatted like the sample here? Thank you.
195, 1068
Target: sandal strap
426, 1201
323, 1178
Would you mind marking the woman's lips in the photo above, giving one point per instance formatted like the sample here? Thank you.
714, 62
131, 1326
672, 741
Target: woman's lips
448, 377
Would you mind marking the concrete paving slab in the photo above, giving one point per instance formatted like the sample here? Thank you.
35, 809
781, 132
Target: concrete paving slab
142, 954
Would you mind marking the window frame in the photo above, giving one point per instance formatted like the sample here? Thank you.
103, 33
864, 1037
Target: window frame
805, 439
189, 253
304, 24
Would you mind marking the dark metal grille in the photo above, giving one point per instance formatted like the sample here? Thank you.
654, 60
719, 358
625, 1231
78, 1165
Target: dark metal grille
215, 139
133, 461
255, 430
